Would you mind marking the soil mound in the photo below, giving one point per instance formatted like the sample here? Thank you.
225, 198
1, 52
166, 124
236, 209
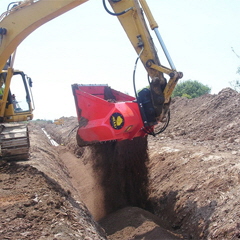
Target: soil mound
135, 223
194, 167
34, 206
209, 117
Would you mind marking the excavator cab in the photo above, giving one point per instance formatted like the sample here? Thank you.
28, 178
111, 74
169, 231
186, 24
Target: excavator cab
16, 102
15, 107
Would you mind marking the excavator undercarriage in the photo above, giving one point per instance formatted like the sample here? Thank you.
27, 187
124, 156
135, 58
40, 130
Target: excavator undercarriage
14, 141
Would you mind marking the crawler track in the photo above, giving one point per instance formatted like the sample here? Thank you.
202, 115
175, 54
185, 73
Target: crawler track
14, 142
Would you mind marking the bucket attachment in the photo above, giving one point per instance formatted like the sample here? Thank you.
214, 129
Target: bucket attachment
105, 114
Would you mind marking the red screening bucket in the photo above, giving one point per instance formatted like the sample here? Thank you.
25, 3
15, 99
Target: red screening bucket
105, 114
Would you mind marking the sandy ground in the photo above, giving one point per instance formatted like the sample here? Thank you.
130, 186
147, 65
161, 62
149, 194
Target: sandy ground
183, 183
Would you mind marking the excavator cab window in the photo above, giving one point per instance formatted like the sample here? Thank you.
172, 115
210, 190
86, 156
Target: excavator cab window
19, 93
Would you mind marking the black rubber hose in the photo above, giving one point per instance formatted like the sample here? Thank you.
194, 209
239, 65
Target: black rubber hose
149, 132
8, 8
134, 82
115, 14
165, 125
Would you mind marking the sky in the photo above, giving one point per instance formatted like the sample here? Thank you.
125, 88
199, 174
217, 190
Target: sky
88, 46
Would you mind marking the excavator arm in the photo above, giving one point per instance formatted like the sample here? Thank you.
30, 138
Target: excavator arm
121, 116
131, 16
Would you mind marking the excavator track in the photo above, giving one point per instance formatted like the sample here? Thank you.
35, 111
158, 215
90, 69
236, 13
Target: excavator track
14, 142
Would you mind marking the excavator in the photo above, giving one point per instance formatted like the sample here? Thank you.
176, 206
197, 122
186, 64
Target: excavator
104, 114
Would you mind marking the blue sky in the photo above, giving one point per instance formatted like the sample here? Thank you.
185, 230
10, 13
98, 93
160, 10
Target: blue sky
87, 45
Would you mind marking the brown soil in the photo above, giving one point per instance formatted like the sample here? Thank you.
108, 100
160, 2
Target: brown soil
183, 183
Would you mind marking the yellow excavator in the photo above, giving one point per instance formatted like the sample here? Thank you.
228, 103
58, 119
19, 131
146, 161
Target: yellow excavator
59, 121
121, 116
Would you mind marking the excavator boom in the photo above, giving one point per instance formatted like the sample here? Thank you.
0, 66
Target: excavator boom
20, 21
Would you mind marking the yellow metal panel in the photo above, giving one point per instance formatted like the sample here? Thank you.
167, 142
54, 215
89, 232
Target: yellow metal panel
9, 111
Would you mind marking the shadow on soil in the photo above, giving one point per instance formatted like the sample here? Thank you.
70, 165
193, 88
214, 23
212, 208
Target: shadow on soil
186, 217
123, 172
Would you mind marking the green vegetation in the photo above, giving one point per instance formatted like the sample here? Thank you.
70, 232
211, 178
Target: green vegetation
190, 89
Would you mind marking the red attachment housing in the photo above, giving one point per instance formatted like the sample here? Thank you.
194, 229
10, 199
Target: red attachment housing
105, 114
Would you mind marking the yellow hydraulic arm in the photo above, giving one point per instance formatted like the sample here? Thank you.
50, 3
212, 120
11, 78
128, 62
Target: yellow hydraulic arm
135, 27
20, 21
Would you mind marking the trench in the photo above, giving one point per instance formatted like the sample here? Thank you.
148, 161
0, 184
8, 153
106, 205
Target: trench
111, 179
115, 171
110, 176
123, 173
53, 142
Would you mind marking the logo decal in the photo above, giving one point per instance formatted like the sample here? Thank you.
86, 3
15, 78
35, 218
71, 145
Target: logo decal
117, 120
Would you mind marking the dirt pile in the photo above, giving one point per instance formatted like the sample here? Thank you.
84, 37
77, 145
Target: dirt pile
194, 167
134, 223
212, 118
34, 206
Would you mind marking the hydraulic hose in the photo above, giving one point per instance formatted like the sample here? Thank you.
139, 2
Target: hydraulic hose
115, 14
15, 4
145, 129
134, 73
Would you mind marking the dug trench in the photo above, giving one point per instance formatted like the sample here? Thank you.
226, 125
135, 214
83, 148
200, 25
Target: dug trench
67, 192
112, 180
